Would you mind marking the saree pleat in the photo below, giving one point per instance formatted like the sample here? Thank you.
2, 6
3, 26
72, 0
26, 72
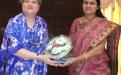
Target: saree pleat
112, 50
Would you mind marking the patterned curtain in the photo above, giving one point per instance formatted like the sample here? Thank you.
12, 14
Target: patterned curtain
112, 11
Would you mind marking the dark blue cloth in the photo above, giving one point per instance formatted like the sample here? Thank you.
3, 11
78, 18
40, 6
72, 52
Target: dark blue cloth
21, 36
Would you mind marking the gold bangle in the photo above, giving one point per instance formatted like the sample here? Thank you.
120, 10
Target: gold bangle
85, 56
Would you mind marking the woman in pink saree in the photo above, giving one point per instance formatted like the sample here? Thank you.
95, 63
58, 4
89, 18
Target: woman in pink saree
91, 34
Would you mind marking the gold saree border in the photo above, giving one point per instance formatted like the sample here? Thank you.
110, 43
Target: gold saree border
104, 34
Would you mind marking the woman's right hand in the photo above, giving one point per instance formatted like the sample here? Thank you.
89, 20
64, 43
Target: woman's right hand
47, 59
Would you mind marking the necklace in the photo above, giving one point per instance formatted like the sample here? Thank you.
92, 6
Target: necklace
87, 20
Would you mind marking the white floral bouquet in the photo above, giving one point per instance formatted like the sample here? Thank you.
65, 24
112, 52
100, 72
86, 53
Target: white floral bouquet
60, 47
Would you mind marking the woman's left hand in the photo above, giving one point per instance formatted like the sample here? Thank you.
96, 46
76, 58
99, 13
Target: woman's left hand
67, 63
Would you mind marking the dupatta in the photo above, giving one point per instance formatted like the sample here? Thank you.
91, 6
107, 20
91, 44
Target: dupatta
91, 35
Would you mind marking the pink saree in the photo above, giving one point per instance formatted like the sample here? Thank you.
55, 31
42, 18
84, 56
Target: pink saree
87, 36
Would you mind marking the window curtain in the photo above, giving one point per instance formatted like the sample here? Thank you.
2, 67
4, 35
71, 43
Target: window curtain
112, 11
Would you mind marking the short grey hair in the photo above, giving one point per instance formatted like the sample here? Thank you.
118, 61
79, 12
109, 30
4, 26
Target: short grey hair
39, 1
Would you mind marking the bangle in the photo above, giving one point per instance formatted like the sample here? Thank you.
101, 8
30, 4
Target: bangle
37, 56
85, 56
